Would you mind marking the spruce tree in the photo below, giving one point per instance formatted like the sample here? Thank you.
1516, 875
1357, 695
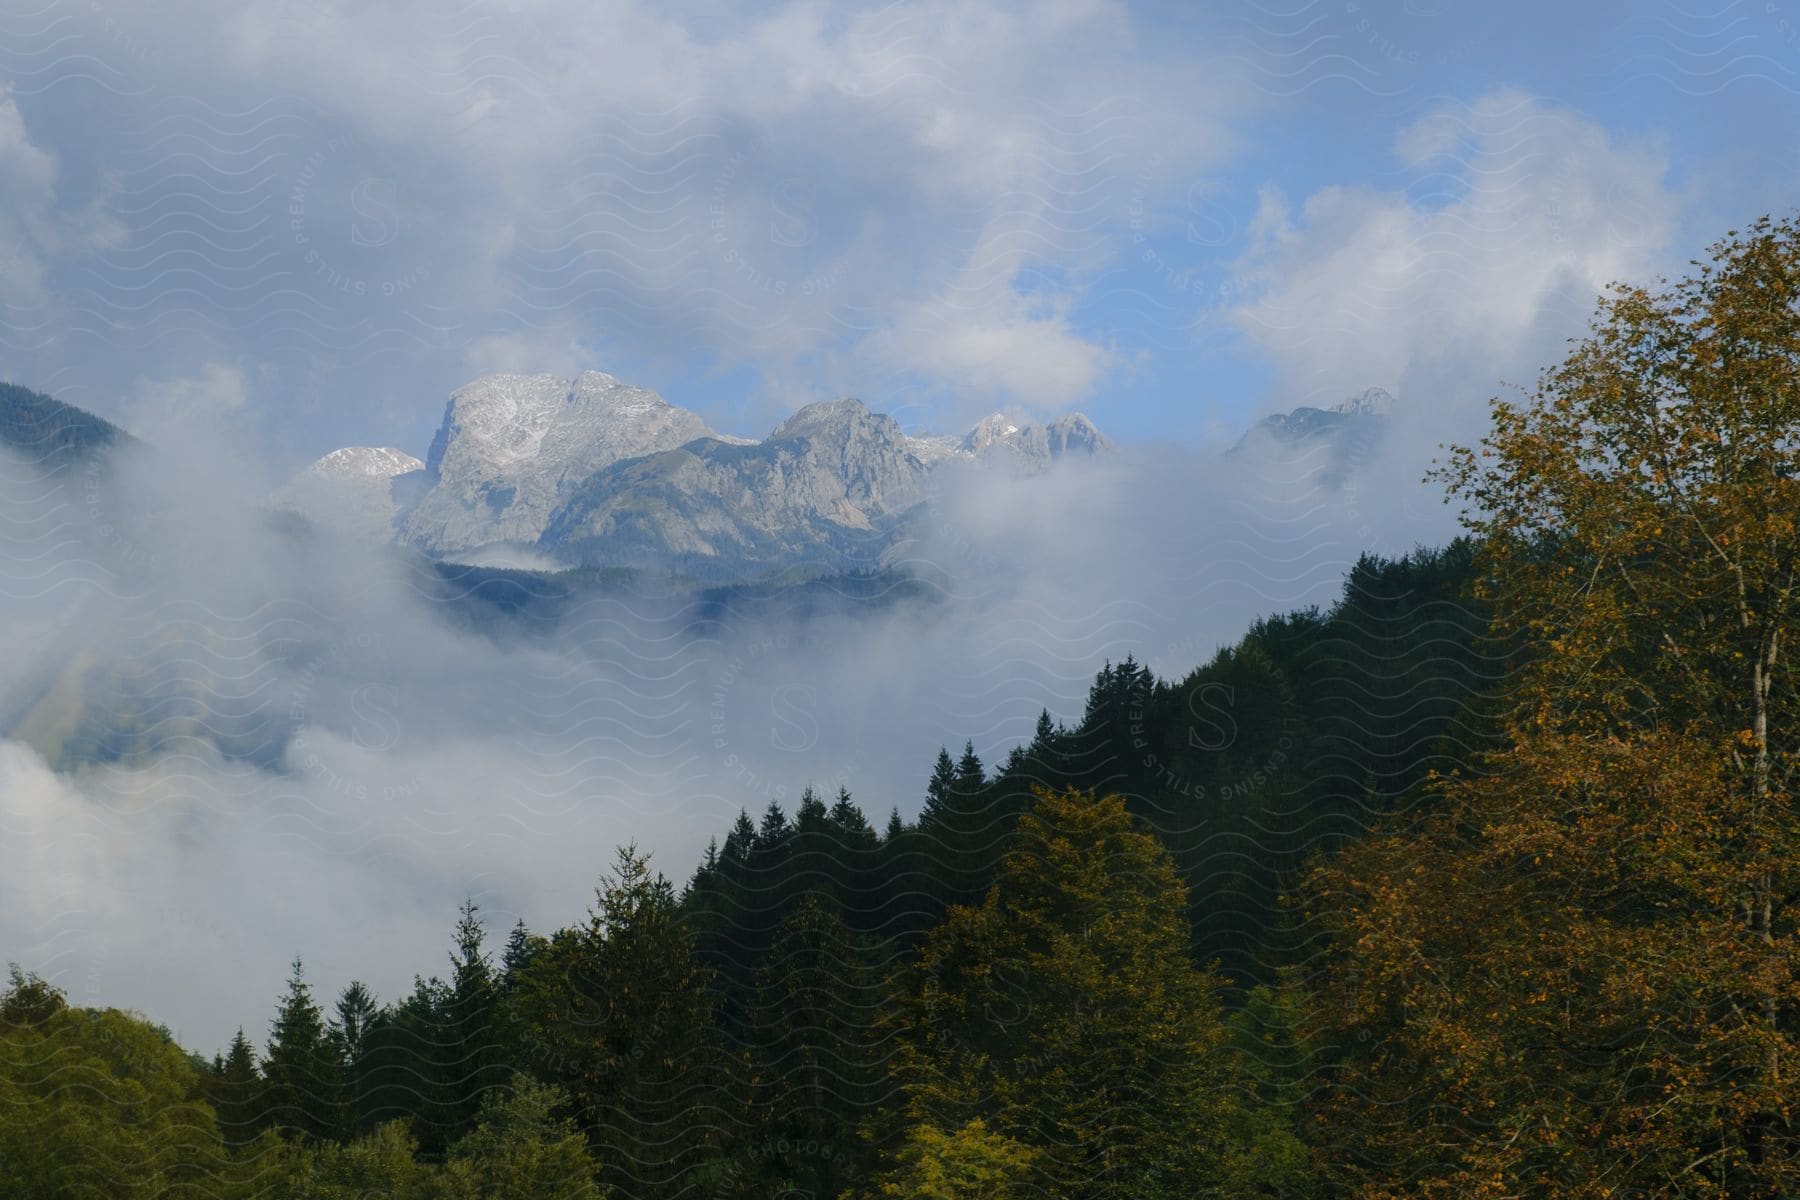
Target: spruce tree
619, 1012
852, 825
772, 833
969, 775
403, 1063
521, 945
302, 1068
739, 841
811, 815
351, 1017
235, 1091
939, 791
820, 1053
470, 1022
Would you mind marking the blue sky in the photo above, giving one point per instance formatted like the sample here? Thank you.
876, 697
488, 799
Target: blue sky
306, 222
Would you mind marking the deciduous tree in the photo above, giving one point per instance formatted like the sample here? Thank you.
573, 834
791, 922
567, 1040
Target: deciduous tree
1574, 972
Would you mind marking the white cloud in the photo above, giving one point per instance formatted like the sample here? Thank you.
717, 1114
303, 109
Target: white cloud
1006, 350
359, 192
31, 232
190, 405
1517, 216
555, 350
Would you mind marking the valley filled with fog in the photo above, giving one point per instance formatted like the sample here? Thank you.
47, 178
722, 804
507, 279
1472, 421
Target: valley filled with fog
228, 707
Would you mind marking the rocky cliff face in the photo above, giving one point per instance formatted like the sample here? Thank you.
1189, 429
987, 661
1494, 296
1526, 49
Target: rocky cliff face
1029, 446
513, 448
821, 492
594, 472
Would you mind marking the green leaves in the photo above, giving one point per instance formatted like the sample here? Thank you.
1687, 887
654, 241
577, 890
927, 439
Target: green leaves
97, 1105
1065, 1016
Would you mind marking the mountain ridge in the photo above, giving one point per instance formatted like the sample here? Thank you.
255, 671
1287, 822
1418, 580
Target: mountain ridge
596, 472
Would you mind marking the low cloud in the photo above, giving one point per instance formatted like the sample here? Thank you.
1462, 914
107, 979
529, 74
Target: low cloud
235, 739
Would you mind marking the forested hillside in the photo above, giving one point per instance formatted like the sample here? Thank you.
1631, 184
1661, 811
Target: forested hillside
772, 1024
1477, 884
49, 433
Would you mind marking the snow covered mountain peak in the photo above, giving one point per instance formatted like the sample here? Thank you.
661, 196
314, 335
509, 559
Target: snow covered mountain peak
592, 470
364, 462
989, 430
352, 489
1030, 445
513, 447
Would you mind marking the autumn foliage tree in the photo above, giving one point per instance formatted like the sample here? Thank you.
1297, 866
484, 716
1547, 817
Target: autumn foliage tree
1573, 971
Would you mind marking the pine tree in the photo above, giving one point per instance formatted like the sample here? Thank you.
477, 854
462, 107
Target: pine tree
851, 824
772, 833
352, 1015
235, 1091
619, 1013
470, 1020
969, 775
820, 1056
740, 841
811, 815
521, 946
302, 1069
939, 791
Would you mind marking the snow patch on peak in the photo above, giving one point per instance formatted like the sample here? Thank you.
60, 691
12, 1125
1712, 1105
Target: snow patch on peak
1031, 445
364, 462
352, 489
513, 447
996, 427
934, 447
824, 416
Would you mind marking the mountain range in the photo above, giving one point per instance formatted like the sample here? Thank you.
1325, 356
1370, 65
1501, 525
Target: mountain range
654, 511
594, 472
